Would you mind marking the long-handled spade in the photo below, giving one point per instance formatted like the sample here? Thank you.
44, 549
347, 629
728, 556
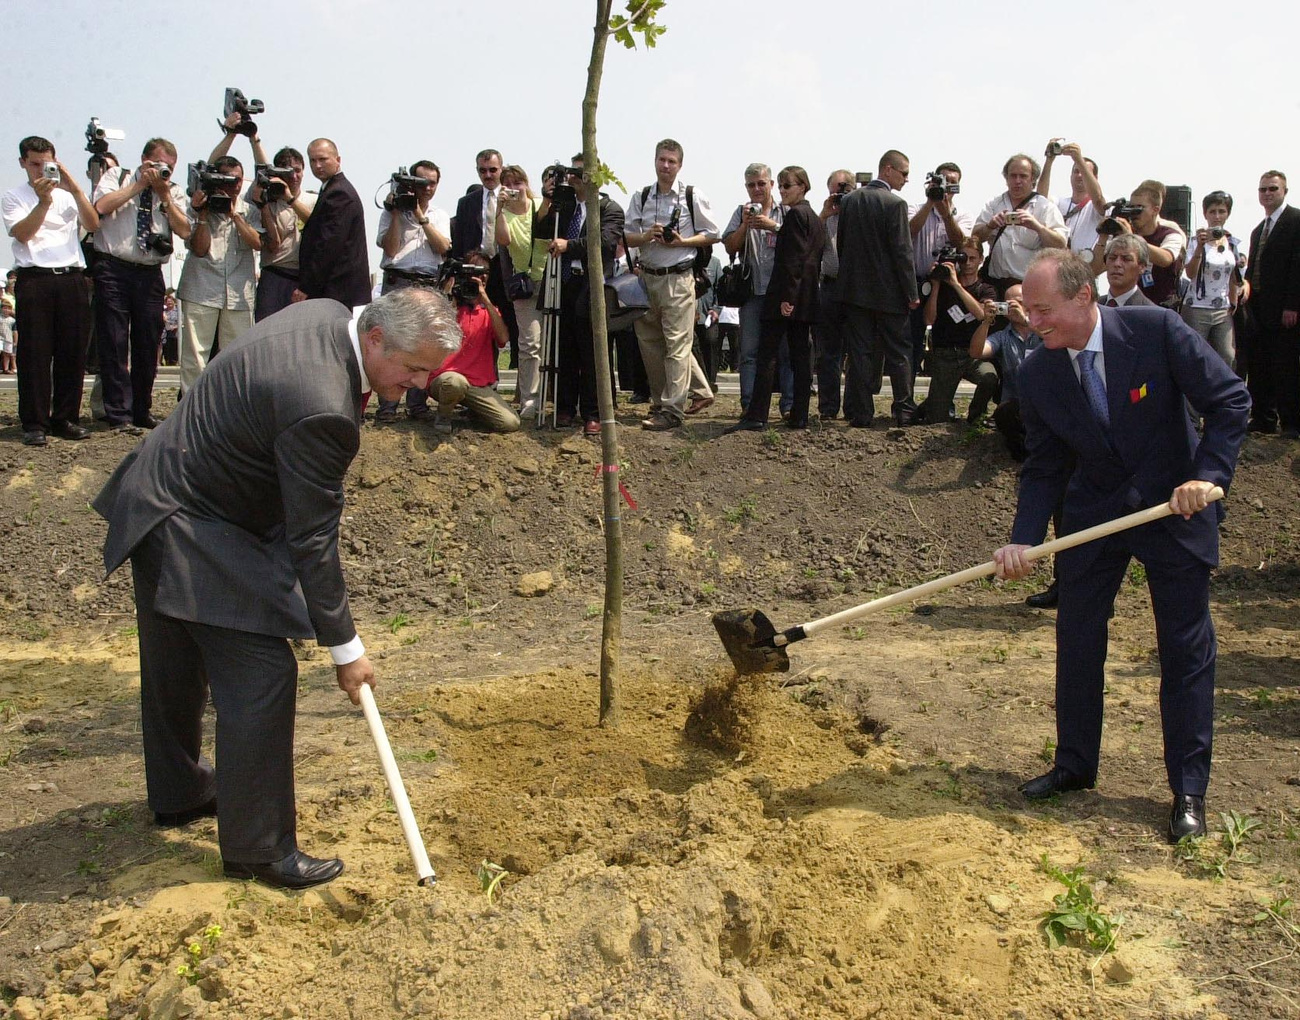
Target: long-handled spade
755, 646
423, 869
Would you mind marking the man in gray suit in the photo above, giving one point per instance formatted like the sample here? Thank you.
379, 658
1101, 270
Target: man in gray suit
877, 287
229, 512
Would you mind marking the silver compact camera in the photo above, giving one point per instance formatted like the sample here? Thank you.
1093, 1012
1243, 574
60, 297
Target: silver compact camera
754, 208
50, 171
1001, 307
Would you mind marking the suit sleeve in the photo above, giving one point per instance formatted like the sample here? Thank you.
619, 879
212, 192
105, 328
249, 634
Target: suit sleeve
1049, 462
793, 248
325, 236
311, 459
1291, 294
901, 239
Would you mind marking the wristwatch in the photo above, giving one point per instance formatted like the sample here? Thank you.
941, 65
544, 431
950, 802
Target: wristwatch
424, 222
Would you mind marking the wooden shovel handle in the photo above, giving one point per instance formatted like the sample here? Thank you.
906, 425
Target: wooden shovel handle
988, 569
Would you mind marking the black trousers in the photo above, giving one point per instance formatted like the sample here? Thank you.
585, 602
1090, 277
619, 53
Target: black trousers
128, 325
501, 268
253, 679
631, 369
828, 336
708, 351
1273, 376
52, 314
576, 390
874, 339
275, 289
795, 335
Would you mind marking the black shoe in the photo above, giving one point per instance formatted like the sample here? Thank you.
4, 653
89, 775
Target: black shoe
34, 438
744, 425
67, 430
639, 398
1056, 781
125, 428
1259, 425
1187, 817
175, 819
797, 423
1046, 599
148, 422
860, 423
297, 871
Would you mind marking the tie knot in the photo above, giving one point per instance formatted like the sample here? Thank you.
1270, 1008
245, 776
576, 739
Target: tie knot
1086, 359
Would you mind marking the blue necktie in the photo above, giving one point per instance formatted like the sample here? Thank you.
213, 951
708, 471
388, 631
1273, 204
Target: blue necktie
1093, 387
144, 220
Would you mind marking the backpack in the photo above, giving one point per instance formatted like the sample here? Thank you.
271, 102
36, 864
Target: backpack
700, 264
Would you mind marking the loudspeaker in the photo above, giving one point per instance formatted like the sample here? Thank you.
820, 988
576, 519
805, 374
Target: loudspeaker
1178, 206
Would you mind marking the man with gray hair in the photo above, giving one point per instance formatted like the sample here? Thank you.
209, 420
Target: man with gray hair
229, 512
1127, 258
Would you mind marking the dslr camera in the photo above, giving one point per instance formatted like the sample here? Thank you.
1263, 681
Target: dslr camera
1120, 208
948, 253
672, 229
203, 178
465, 277
237, 102
937, 187
841, 189
402, 189
271, 179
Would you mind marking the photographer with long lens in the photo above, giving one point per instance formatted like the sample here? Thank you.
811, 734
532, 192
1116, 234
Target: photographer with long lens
414, 237
934, 224
1213, 256
141, 213
218, 284
955, 313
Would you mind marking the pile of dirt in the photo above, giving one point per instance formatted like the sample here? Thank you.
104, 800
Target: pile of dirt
843, 840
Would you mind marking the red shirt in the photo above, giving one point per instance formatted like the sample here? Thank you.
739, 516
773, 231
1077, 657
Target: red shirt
477, 358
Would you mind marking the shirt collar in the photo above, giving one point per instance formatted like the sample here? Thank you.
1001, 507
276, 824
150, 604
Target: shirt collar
1123, 299
1094, 341
356, 349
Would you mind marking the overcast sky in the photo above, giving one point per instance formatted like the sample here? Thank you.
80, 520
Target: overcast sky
1188, 93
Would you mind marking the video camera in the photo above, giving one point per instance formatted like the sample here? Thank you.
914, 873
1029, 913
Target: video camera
402, 190
237, 102
841, 189
937, 187
948, 253
271, 179
465, 276
203, 178
562, 193
1120, 208
98, 137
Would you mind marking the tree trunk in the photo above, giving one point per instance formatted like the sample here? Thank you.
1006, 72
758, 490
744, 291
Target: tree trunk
612, 624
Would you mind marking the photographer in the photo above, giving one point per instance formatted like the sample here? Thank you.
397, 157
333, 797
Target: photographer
1085, 206
955, 313
1212, 267
515, 215
1017, 223
44, 216
282, 212
751, 233
414, 237
828, 335
1159, 282
218, 285
1007, 348
934, 224
140, 214
469, 375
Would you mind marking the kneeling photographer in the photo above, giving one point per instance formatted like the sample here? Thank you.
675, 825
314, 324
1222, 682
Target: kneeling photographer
954, 311
469, 375
218, 284
414, 236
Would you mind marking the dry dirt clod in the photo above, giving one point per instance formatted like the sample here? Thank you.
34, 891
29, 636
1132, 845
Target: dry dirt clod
532, 585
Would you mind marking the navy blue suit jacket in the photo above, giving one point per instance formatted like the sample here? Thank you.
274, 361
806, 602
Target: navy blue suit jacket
1153, 361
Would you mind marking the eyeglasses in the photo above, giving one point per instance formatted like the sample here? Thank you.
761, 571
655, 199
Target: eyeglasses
487, 171
1270, 187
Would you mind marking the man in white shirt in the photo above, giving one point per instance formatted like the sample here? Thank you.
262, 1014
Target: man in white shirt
667, 229
1017, 223
1084, 207
44, 217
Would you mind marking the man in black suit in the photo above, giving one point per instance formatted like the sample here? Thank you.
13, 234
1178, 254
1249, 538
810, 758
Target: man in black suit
474, 229
229, 513
1273, 276
877, 287
333, 259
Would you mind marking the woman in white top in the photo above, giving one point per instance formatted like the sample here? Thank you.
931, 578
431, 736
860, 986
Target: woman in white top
1213, 268
514, 230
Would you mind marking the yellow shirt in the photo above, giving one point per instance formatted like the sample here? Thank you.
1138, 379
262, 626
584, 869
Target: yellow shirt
520, 226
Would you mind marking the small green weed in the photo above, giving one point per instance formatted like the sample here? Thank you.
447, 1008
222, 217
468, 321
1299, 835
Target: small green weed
592, 611
771, 439
397, 622
745, 510
1076, 918
489, 878
1215, 857
1048, 753
197, 950
1137, 574
708, 588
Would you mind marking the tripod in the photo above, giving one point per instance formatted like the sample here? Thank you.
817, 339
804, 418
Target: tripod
550, 354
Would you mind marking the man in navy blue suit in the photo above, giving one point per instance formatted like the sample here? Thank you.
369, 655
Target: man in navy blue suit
1104, 403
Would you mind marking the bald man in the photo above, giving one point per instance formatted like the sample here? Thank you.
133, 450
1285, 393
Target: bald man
333, 259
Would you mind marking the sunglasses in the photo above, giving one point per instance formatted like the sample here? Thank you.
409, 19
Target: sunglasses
1270, 187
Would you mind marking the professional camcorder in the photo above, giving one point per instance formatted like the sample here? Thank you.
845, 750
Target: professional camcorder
271, 179
465, 277
402, 193
841, 189
562, 193
98, 137
1118, 209
948, 253
236, 102
203, 178
937, 186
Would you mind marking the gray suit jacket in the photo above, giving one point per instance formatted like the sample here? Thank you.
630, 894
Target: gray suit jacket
243, 484
875, 250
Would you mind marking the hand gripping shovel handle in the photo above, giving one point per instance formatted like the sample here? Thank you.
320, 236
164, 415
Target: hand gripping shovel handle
423, 869
1037, 552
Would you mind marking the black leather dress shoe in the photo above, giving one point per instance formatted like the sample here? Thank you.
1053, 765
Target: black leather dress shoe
744, 425
67, 430
1058, 780
34, 438
297, 871
1187, 817
148, 422
1046, 599
175, 819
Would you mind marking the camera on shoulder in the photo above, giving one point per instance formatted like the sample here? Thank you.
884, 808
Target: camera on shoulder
403, 190
1118, 209
937, 187
464, 276
203, 178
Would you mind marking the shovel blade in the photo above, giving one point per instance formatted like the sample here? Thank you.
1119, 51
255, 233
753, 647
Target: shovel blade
749, 638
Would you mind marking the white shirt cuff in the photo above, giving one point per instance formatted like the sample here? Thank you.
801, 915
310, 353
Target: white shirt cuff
349, 652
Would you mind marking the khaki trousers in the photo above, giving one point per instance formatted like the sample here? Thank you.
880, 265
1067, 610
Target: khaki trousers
665, 334
484, 403
200, 326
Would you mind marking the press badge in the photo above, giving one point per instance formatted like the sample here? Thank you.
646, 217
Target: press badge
1148, 279
959, 314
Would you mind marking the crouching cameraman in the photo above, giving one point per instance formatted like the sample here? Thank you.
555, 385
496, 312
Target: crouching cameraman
954, 311
469, 375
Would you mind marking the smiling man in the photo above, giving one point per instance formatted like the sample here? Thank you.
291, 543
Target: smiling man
229, 512
1104, 405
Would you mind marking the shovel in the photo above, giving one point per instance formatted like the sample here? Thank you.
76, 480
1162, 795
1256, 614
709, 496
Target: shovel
755, 646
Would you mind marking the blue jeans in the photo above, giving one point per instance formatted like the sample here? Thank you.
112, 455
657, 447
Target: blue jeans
751, 331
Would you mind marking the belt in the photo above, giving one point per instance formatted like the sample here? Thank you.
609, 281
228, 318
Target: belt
828, 280
429, 279
47, 270
288, 274
681, 267
127, 262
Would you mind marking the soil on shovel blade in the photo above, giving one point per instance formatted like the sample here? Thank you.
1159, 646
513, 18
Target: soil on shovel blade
844, 839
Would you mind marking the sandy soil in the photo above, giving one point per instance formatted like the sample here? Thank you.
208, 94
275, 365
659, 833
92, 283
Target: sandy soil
843, 840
